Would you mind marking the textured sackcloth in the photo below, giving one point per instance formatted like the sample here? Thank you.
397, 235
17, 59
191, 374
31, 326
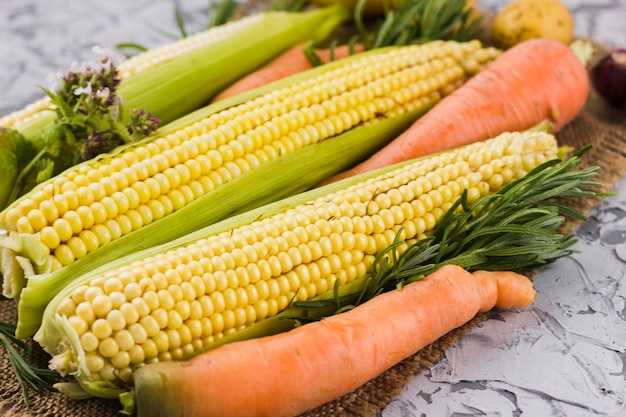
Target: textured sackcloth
597, 125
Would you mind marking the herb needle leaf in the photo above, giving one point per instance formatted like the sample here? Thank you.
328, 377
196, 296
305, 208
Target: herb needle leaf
27, 375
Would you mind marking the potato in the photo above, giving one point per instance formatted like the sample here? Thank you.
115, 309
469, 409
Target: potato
526, 19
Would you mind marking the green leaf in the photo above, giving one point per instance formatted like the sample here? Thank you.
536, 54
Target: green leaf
180, 23
45, 169
68, 135
11, 144
121, 130
62, 108
131, 46
53, 138
223, 13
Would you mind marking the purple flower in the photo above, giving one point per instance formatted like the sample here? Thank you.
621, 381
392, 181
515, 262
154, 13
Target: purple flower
83, 90
98, 143
142, 123
93, 114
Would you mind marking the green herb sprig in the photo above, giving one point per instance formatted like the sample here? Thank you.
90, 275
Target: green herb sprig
516, 229
410, 22
28, 376
419, 21
91, 119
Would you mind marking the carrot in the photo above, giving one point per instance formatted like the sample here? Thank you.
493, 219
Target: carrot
536, 81
291, 62
290, 373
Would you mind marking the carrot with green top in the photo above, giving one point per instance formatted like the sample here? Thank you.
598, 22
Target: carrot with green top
290, 373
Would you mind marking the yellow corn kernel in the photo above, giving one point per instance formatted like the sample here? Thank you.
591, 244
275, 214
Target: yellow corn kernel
23, 116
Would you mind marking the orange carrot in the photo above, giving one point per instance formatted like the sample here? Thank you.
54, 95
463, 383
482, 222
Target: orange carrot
289, 63
535, 81
290, 373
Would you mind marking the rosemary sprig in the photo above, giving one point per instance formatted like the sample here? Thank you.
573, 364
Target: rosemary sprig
91, 119
27, 375
411, 22
515, 229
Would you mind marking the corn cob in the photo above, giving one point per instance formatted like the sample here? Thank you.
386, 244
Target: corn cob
219, 162
26, 115
170, 84
163, 77
141, 63
157, 56
168, 302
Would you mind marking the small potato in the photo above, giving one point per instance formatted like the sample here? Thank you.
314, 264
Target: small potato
526, 19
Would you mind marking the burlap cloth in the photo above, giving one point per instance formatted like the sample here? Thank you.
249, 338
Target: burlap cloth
598, 125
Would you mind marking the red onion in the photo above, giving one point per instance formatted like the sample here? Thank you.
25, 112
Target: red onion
609, 78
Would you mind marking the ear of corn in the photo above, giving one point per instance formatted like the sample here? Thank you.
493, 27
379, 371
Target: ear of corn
167, 302
162, 79
224, 159
25, 115
178, 78
140, 63
227, 60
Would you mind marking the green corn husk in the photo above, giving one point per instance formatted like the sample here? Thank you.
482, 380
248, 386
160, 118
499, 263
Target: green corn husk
232, 58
